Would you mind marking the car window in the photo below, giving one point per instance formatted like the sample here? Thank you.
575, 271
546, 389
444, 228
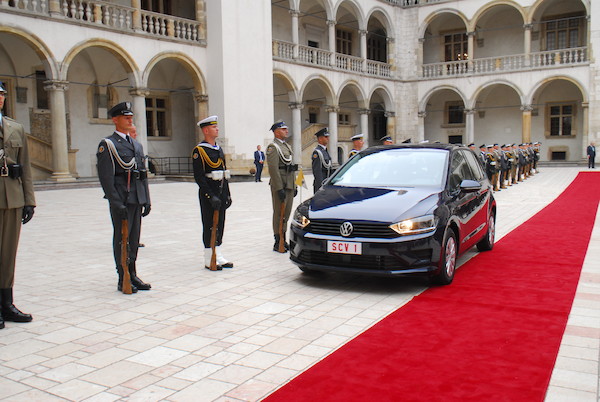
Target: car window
475, 165
459, 170
394, 168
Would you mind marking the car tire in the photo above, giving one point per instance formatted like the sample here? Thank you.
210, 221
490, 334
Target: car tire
487, 243
447, 260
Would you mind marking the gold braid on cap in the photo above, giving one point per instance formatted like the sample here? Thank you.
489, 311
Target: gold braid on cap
206, 159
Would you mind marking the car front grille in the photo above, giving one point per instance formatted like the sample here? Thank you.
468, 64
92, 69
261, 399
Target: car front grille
411, 259
361, 229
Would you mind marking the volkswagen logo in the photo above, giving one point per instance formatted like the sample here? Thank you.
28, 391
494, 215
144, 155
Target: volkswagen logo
346, 229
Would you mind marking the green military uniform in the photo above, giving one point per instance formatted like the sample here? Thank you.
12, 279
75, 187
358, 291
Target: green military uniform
282, 182
17, 201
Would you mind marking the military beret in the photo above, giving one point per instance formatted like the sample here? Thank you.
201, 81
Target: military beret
278, 124
322, 132
209, 121
121, 109
357, 137
2, 89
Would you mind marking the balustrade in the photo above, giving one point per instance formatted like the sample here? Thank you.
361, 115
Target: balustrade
32, 6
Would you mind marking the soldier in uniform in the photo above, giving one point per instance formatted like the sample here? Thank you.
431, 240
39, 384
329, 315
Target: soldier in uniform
211, 175
387, 140
522, 163
124, 179
357, 144
17, 203
510, 158
282, 182
504, 166
536, 155
492, 166
483, 157
321, 162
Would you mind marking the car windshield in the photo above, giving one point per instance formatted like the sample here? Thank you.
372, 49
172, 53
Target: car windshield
407, 167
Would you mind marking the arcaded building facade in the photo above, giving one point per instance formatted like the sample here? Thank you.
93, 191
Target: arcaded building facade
505, 71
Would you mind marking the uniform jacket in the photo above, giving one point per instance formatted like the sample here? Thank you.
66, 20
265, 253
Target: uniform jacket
206, 159
113, 177
281, 177
321, 166
15, 193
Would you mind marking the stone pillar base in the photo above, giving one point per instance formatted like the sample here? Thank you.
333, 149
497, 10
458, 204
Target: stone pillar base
62, 177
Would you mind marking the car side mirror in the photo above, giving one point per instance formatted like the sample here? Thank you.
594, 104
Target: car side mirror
470, 186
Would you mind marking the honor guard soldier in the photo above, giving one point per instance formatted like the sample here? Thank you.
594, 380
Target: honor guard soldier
357, 144
17, 203
282, 182
212, 177
472, 147
503, 166
387, 140
321, 161
124, 179
536, 156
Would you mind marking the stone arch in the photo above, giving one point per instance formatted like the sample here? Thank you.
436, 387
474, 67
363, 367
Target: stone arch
388, 99
427, 96
431, 17
534, 8
471, 103
487, 7
548, 80
325, 86
190, 66
324, 3
355, 8
386, 20
355, 88
39, 47
290, 85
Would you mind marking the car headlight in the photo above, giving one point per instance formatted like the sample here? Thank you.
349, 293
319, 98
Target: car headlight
300, 220
422, 224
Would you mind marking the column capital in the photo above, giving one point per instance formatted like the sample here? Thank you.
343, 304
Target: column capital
389, 39
389, 113
294, 13
364, 111
472, 33
331, 22
422, 114
422, 40
528, 27
332, 109
56, 85
143, 92
296, 105
526, 108
363, 32
469, 111
200, 97
585, 105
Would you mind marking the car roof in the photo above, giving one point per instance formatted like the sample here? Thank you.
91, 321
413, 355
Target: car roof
435, 145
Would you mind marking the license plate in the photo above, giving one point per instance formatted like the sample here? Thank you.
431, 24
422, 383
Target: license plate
344, 247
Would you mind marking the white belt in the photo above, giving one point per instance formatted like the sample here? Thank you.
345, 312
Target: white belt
219, 175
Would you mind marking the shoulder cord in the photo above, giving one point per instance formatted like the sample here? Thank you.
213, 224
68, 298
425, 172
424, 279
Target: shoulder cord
206, 159
114, 155
326, 165
286, 161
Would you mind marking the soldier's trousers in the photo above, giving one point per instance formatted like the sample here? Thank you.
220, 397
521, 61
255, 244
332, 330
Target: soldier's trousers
134, 225
207, 212
10, 231
289, 200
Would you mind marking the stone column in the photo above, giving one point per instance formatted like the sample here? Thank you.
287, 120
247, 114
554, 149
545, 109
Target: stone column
331, 28
297, 131
585, 106
201, 113
364, 124
137, 15
527, 43
390, 123
526, 132
54, 8
295, 34
422, 115
470, 49
363, 48
60, 144
333, 132
201, 18
139, 114
470, 125
420, 57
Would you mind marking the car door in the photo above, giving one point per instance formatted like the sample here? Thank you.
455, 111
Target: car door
483, 196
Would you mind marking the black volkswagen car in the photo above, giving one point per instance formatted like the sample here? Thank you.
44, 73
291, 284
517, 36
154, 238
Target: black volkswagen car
397, 210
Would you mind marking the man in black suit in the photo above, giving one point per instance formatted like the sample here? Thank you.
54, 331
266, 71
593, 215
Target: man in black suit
259, 162
123, 177
591, 155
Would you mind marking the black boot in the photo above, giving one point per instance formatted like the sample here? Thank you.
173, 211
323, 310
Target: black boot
135, 281
286, 247
9, 311
120, 283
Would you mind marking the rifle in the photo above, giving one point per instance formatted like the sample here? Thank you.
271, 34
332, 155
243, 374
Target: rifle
126, 287
281, 248
213, 241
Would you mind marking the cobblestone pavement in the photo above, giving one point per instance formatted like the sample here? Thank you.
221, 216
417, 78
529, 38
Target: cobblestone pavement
230, 335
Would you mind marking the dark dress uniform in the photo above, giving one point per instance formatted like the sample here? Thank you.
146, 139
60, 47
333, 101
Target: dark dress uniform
17, 202
321, 162
213, 189
123, 176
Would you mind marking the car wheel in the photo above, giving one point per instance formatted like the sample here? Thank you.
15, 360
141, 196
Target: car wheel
448, 260
487, 243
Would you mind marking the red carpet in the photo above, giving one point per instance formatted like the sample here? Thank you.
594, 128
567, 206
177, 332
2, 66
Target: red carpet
493, 335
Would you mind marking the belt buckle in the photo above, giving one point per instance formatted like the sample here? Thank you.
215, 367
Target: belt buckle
4, 171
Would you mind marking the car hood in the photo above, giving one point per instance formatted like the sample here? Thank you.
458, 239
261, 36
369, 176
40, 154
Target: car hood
372, 204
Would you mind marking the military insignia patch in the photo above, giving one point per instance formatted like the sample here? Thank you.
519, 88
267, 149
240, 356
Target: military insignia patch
315, 156
101, 149
195, 156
